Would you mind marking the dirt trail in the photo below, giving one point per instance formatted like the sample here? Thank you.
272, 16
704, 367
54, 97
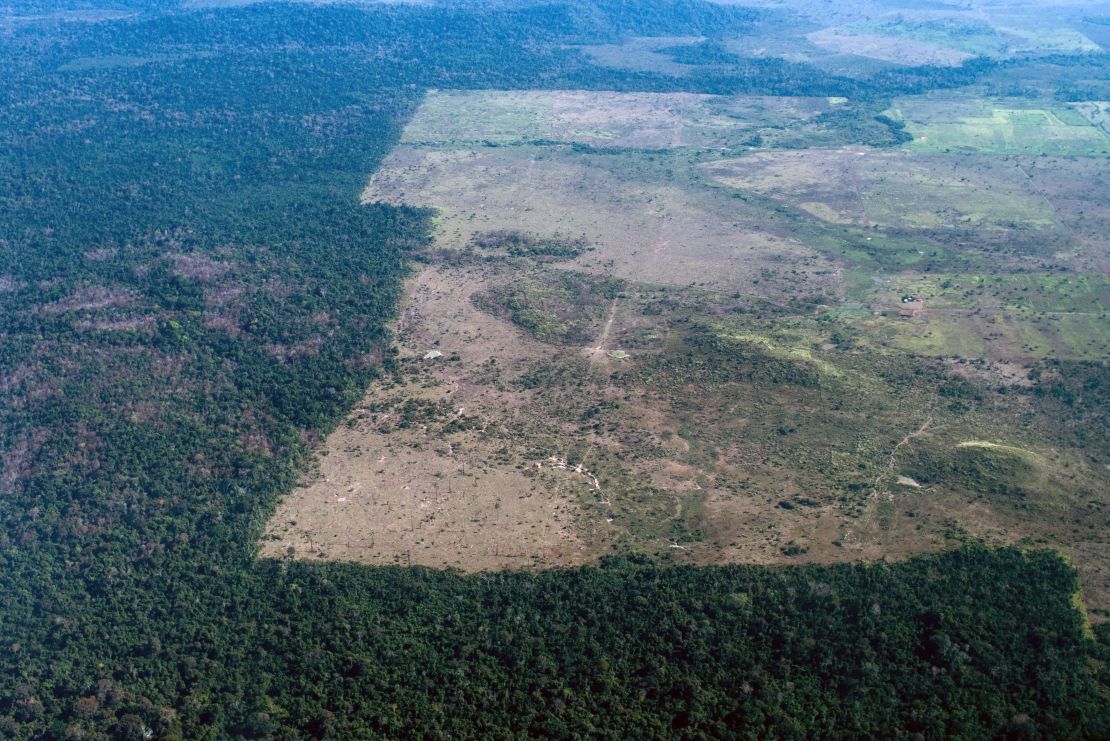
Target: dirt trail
892, 462
598, 351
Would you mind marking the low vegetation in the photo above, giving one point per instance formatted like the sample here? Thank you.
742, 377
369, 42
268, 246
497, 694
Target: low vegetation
519, 244
563, 307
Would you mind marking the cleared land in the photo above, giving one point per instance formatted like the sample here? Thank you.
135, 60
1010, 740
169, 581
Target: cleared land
1019, 317
911, 209
958, 123
888, 48
892, 188
663, 351
951, 36
424, 472
634, 120
641, 220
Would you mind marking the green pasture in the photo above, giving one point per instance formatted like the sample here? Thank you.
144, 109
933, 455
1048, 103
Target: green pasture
964, 124
1018, 316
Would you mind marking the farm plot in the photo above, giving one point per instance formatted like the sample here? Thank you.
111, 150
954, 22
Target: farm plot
1019, 317
947, 123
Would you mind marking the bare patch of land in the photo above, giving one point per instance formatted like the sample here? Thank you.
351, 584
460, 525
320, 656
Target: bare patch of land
643, 215
428, 470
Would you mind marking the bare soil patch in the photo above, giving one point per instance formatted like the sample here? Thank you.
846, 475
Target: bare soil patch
429, 469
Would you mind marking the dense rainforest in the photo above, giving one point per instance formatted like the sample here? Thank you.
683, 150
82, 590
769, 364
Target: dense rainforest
191, 296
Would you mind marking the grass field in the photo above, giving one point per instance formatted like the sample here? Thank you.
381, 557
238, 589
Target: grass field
958, 123
879, 188
1020, 317
637, 120
901, 32
1002, 37
888, 47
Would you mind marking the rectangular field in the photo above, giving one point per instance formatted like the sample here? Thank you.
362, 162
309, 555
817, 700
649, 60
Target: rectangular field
945, 123
892, 188
454, 118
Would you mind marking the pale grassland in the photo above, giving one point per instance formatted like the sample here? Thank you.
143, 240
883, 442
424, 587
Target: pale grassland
453, 118
891, 188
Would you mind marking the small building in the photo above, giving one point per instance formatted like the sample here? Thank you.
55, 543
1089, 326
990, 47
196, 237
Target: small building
911, 309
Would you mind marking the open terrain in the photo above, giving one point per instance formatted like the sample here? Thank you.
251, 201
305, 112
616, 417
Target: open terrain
948, 34
645, 215
888, 48
633, 347
427, 469
892, 189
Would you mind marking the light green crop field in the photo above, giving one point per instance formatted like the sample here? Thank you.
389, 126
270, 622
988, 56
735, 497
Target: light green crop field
957, 123
1015, 316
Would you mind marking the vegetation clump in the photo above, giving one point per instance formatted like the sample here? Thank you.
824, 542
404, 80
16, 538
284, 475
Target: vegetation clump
985, 468
562, 308
521, 244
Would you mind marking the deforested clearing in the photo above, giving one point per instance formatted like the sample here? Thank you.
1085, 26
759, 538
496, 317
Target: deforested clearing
605, 349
